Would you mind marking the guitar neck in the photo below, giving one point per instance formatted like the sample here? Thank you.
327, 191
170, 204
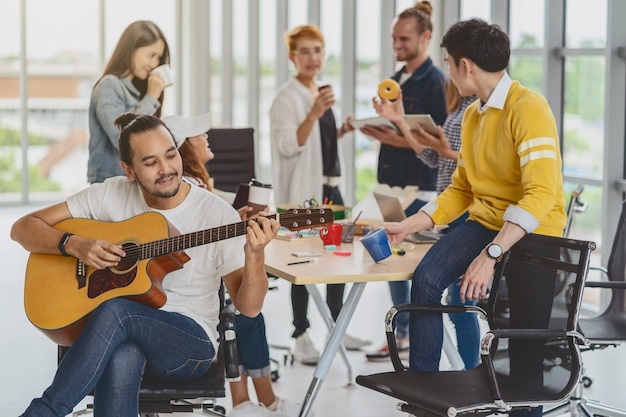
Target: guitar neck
190, 240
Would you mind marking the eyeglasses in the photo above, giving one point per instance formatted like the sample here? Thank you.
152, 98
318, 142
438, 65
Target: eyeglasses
309, 52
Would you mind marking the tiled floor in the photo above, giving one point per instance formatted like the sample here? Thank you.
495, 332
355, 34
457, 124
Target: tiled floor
28, 358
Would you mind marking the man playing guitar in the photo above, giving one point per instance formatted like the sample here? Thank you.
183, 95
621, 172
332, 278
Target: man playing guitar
122, 339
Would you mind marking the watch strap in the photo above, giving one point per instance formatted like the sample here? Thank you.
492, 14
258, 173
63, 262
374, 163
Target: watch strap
63, 242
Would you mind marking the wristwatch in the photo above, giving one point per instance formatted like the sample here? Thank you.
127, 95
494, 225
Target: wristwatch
494, 251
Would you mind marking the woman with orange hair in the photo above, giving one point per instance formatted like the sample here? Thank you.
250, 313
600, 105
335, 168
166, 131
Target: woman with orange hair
306, 160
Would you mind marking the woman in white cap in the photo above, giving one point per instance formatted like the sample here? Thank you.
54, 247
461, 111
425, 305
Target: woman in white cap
254, 357
192, 141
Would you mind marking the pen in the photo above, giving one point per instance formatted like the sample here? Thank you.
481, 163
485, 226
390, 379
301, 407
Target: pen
301, 262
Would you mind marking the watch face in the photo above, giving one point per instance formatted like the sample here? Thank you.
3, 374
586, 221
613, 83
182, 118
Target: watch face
494, 251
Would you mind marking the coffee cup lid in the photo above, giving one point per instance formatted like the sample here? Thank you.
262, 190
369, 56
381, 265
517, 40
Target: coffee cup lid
256, 183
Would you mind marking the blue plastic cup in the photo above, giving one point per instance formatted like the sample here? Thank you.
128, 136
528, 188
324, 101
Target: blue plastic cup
377, 244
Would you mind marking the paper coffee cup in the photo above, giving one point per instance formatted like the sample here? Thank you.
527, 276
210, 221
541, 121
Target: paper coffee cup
259, 196
166, 73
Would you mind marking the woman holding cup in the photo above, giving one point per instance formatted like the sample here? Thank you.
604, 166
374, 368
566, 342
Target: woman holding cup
306, 160
128, 83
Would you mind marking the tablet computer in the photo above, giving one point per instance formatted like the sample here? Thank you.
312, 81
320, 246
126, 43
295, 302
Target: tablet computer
372, 121
424, 120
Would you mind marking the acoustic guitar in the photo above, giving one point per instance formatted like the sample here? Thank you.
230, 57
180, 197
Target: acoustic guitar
61, 292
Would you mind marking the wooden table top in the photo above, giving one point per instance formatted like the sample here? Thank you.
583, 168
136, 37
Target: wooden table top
333, 269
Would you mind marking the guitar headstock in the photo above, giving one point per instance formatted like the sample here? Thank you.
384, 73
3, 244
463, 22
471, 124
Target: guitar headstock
304, 218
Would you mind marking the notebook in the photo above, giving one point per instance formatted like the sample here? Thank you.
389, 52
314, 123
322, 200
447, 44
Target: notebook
392, 211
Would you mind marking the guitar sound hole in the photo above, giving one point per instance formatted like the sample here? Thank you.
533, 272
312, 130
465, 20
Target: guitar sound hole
130, 260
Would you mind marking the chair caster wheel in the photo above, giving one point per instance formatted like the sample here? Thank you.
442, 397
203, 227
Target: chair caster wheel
220, 409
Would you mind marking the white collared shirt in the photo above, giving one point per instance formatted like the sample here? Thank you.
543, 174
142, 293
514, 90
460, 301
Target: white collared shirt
498, 95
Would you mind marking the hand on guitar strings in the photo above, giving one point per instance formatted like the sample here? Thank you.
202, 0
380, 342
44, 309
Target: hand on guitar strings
97, 253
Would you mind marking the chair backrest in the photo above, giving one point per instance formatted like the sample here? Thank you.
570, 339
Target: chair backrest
560, 356
574, 207
606, 326
616, 267
234, 161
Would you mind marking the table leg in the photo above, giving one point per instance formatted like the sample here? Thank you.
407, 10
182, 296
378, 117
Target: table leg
336, 336
452, 352
330, 323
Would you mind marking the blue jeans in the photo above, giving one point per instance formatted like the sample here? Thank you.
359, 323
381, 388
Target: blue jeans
466, 328
443, 264
121, 341
254, 353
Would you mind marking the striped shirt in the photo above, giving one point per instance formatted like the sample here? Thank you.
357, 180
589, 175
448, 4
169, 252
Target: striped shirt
452, 131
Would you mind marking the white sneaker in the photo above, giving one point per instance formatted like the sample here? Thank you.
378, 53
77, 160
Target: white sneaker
290, 408
354, 343
304, 351
250, 409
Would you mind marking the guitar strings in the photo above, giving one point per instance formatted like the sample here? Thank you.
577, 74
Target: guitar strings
177, 243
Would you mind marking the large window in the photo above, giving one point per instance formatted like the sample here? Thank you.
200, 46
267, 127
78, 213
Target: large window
63, 59
527, 40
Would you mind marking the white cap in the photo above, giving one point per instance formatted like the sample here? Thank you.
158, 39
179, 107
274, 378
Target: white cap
186, 127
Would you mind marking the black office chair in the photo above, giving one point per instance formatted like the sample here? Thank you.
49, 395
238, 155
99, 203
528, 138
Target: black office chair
490, 387
235, 163
501, 303
607, 329
156, 396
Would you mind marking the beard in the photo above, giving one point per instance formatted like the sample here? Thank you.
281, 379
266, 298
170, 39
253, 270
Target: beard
155, 192
407, 56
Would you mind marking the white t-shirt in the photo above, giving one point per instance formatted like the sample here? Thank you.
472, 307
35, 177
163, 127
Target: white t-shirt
192, 290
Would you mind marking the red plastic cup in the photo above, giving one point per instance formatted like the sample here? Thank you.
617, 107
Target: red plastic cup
331, 234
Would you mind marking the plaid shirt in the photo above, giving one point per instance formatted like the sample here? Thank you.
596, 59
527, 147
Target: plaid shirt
452, 130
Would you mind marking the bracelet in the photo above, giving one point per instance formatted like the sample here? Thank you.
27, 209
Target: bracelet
63, 242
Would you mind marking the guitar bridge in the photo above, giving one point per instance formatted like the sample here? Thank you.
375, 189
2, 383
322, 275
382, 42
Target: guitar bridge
81, 273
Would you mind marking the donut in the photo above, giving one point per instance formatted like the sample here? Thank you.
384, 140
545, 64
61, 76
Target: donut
388, 89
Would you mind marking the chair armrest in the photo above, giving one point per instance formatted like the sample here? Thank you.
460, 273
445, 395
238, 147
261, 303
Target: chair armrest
228, 340
390, 323
492, 335
606, 285
616, 285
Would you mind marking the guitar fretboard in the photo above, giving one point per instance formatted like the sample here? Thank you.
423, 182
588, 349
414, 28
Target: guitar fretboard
295, 219
190, 240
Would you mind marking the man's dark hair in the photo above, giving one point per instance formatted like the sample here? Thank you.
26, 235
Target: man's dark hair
131, 124
488, 46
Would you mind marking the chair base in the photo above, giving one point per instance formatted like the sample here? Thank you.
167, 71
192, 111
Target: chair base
579, 406
207, 407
